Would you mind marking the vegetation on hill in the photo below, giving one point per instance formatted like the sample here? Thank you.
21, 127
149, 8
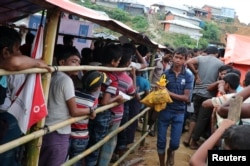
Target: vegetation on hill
212, 32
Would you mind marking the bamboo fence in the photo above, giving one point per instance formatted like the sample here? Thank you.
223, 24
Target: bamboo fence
69, 68
104, 140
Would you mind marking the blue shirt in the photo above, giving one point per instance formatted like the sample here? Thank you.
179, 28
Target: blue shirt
142, 84
177, 85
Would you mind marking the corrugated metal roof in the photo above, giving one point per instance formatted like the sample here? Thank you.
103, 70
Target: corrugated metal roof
181, 23
184, 16
12, 10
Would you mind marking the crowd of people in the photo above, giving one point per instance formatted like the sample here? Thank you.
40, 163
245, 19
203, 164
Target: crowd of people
194, 77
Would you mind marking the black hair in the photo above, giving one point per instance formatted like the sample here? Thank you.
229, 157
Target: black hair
182, 51
228, 68
66, 52
29, 38
212, 50
195, 50
111, 52
126, 57
236, 137
232, 79
143, 50
87, 57
8, 38
247, 78
67, 39
236, 71
190, 52
58, 51
129, 47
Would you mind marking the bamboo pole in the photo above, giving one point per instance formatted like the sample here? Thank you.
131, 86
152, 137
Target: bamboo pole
68, 68
145, 122
49, 129
130, 149
53, 16
104, 140
235, 108
43, 131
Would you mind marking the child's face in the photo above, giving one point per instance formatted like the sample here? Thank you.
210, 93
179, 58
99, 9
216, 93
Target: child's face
72, 61
179, 60
115, 63
226, 87
15, 51
222, 74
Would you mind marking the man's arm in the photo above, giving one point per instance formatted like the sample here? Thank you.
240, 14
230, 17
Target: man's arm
184, 97
21, 62
141, 60
200, 156
245, 111
207, 103
191, 65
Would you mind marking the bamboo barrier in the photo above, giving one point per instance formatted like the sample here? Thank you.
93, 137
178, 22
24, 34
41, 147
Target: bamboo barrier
104, 140
53, 17
131, 148
48, 129
69, 68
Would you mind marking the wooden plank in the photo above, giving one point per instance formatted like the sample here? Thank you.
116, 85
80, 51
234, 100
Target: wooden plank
235, 108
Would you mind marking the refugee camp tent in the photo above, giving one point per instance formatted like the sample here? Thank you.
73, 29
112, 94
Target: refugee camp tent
237, 53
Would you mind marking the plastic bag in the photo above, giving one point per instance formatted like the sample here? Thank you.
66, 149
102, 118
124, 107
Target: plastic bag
158, 99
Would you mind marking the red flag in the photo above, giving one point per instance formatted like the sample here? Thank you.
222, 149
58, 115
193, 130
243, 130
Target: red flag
29, 107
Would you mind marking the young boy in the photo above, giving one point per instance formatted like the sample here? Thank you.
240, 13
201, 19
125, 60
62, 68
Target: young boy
179, 86
125, 85
231, 82
11, 59
85, 98
98, 128
235, 137
61, 106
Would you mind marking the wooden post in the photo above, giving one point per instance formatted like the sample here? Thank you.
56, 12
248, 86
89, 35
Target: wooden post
235, 108
53, 16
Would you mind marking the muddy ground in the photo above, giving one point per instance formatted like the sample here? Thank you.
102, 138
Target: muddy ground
148, 154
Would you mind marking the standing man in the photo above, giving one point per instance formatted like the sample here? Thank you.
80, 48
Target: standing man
179, 86
205, 74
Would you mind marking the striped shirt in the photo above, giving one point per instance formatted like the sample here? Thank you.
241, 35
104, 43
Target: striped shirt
80, 128
125, 84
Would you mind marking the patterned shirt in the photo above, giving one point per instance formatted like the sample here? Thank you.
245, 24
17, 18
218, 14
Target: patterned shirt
80, 128
125, 84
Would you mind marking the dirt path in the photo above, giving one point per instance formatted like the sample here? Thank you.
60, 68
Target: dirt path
149, 156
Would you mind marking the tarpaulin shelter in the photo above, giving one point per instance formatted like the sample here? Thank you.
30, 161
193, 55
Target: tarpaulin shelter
12, 10
237, 53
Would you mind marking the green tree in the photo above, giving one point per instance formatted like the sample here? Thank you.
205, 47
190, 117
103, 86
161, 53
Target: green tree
211, 32
118, 14
140, 23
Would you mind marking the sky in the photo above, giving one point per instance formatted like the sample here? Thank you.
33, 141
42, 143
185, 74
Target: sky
240, 6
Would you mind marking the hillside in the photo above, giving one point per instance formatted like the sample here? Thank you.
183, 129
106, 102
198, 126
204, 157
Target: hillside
150, 26
155, 30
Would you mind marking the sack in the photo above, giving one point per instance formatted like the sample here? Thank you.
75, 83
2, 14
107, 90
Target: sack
158, 99
146, 100
160, 96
